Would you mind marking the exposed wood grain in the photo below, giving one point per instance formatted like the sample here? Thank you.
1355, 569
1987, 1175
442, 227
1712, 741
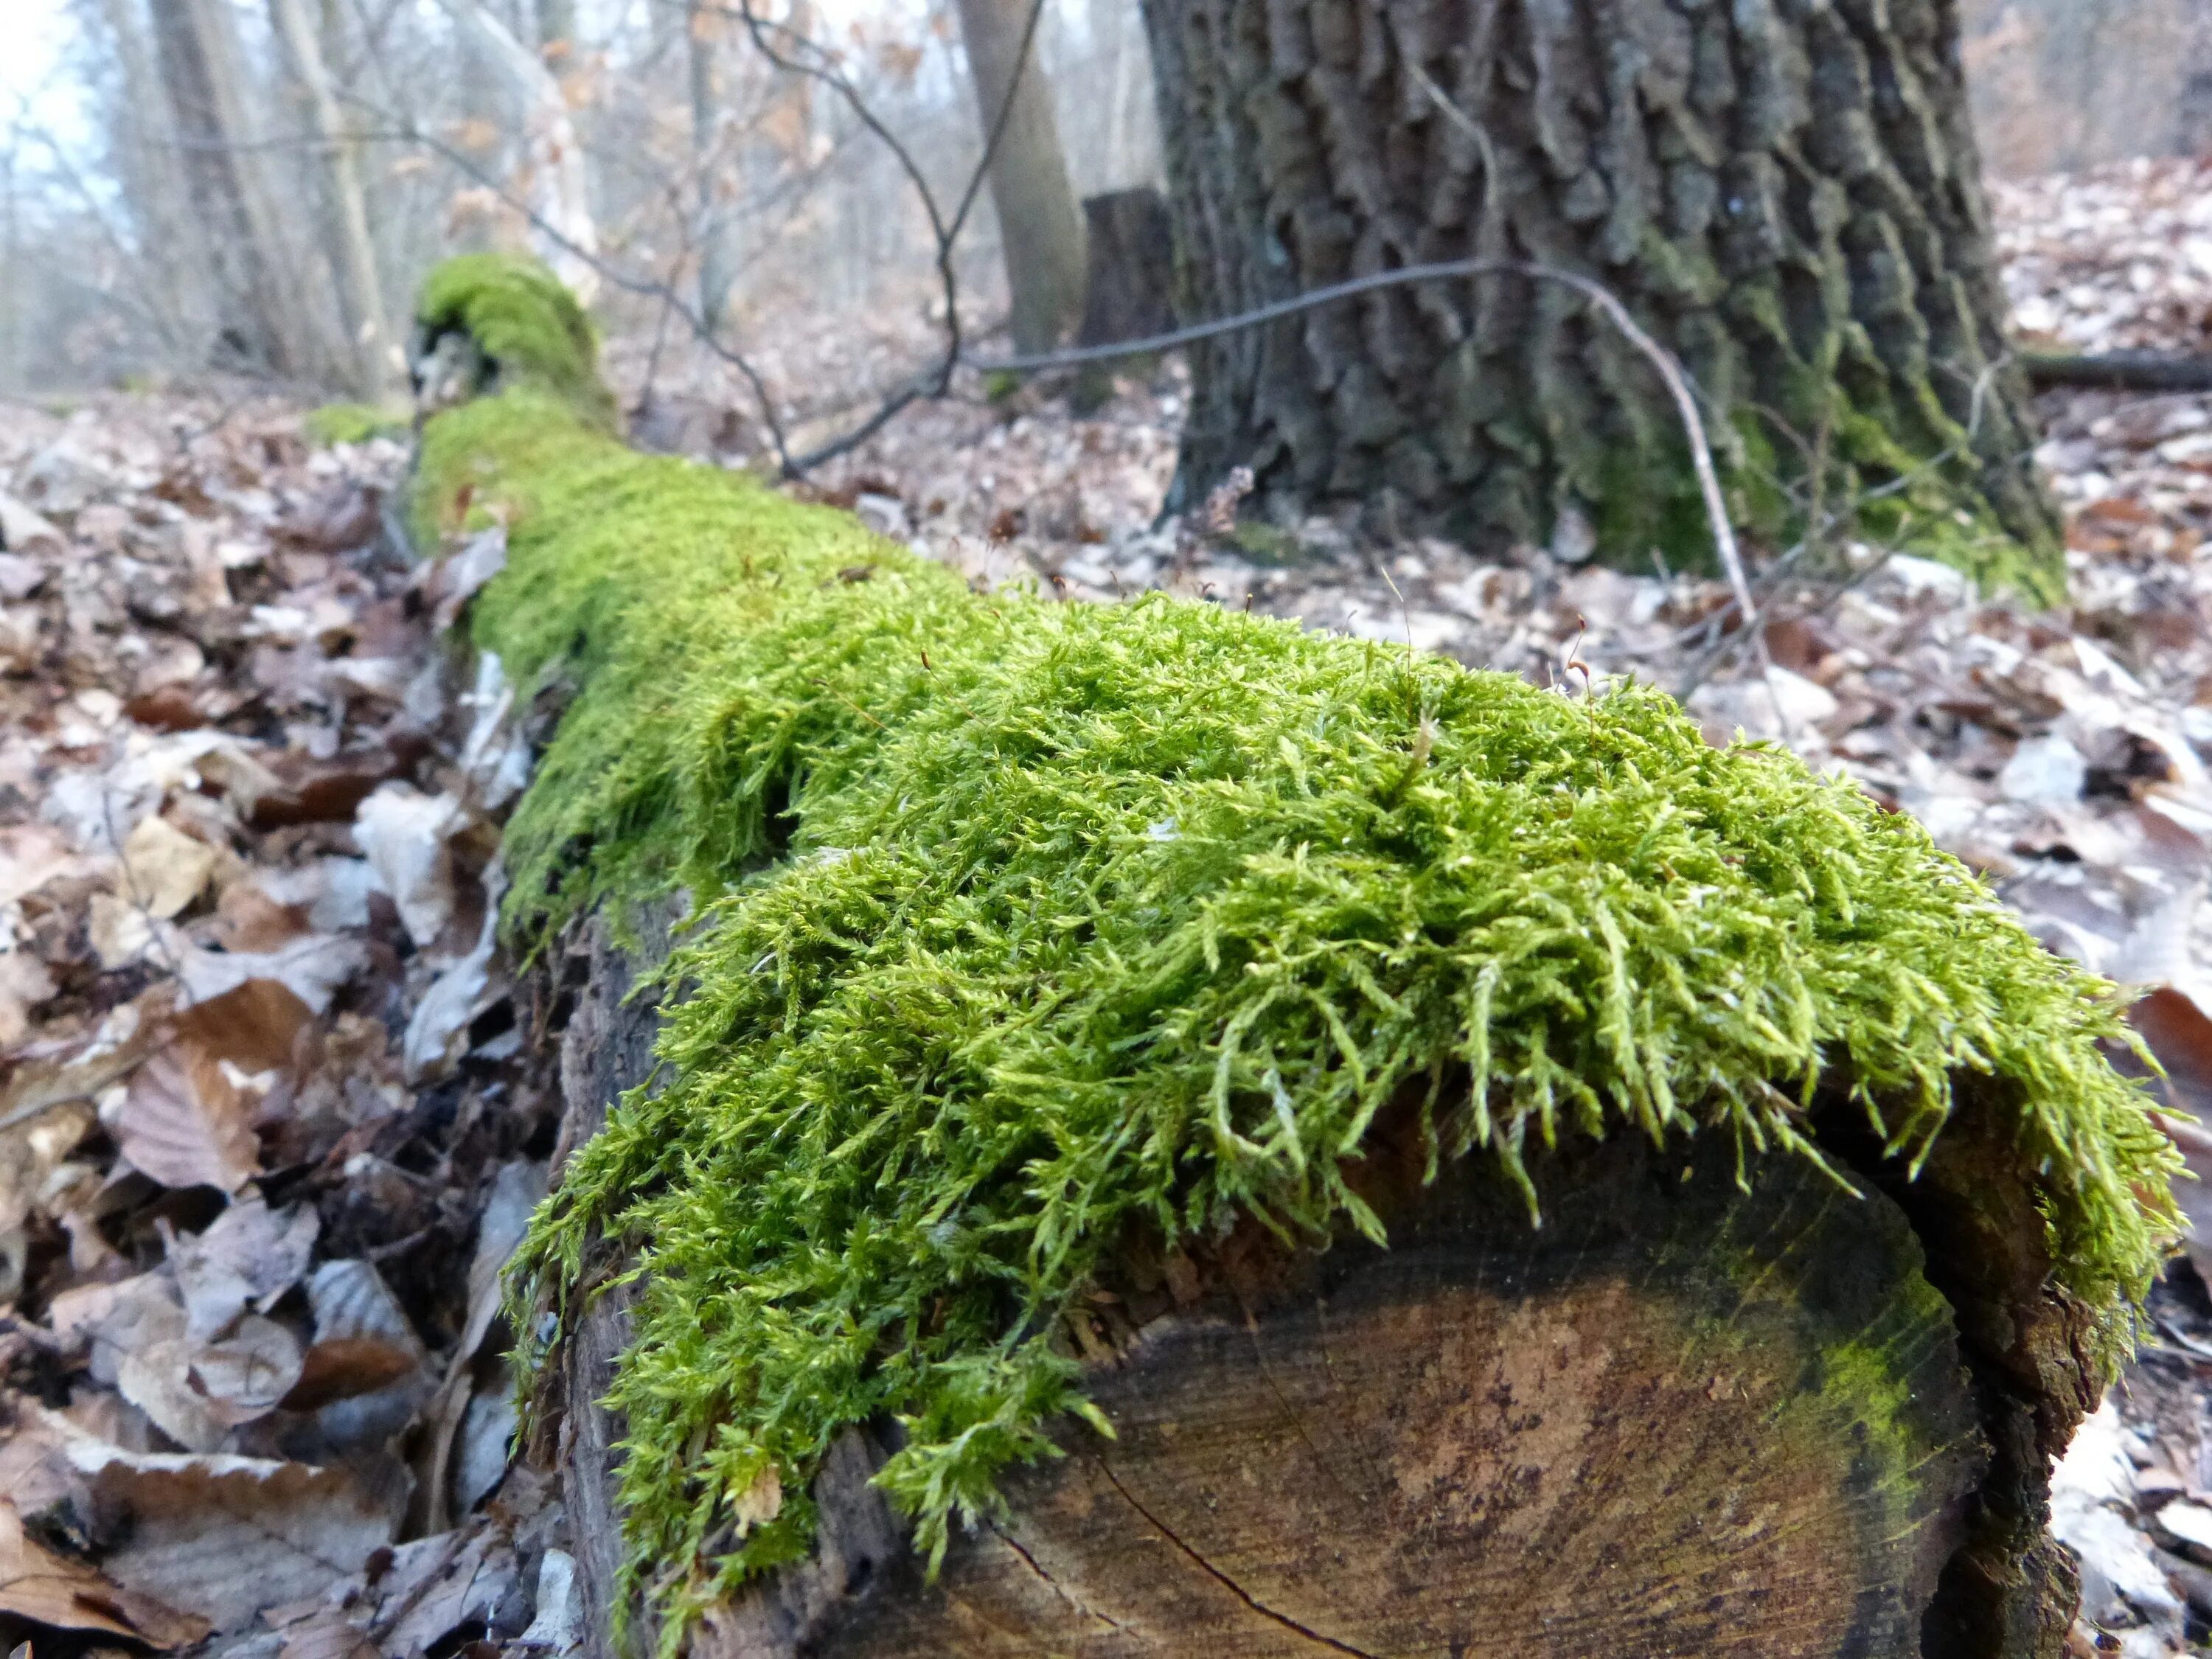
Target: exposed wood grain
1677, 1419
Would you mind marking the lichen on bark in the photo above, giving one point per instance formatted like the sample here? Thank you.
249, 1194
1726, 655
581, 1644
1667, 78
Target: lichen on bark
1787, 196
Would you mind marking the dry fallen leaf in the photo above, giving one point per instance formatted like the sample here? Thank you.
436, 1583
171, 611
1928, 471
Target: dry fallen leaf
225, 1537
312, 966
250, 1255
120, 930
45, 1588
31, 855
403, 833
198, 1392
186, 1124
25, 982
163, 868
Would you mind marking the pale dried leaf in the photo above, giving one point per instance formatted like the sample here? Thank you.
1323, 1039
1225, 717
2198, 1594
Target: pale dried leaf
164, 869
556, 1625
31, 855
249, 1256
198, 1392
23, 529
40, 1586
186, 1124
225, 1537
25, 982
460, 1586
313, 968
484, 1447
120, 930
404, 834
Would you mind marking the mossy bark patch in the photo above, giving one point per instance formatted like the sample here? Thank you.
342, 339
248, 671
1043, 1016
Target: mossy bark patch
1786, 196
1021, 925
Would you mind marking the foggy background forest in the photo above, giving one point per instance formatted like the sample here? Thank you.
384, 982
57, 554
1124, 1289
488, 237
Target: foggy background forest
758, 195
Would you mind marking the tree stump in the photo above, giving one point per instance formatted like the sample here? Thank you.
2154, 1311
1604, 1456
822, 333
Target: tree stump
1680, 1416
1129, 286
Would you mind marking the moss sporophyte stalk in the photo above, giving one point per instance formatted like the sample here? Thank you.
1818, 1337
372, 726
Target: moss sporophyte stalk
1018, 926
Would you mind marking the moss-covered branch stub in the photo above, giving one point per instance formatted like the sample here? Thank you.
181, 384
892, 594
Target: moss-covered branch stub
1021, 925
527, 325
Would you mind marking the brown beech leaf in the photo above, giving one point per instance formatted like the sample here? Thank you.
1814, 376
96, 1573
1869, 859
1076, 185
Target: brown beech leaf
186, 1124
347, 1367
255, 1025
47, 1588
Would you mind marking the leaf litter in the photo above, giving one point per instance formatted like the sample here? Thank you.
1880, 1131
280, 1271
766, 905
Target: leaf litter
262, 1091
256, 1114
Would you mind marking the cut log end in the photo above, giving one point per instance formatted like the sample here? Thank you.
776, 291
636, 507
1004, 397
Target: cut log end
1682, 1416
1677, 1419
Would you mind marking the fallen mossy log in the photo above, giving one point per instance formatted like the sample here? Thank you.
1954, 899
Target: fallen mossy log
1072, 1184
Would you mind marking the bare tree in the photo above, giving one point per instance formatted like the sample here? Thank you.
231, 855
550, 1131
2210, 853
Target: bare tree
199, 71
557, 186
1039, 225
377, 370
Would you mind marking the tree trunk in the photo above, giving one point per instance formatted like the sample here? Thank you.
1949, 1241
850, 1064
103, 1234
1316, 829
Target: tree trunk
1128, 291
1788, 197
377, 373
191, 52
555, 185
1681, 1416
1038, 229
702, 25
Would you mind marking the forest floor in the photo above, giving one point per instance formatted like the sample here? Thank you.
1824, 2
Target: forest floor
269, 1125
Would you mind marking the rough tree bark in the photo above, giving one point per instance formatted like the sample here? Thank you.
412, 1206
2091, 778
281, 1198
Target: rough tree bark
1682, 1417
1788, 196
1038, 227
377, 372
191, 48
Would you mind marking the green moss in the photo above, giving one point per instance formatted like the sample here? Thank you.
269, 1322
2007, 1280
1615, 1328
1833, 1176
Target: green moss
526, 322
355, 423
1019, 924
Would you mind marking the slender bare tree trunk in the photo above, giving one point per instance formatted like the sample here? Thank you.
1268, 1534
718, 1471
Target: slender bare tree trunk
556, 187
557, 30
376, 365
701, 31
1039, 227
189, 47
153, 181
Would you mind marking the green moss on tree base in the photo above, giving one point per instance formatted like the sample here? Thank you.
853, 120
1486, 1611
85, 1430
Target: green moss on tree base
1021, 924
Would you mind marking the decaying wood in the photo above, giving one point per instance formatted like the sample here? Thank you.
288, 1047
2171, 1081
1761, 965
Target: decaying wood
1642, 1429
2120, 371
